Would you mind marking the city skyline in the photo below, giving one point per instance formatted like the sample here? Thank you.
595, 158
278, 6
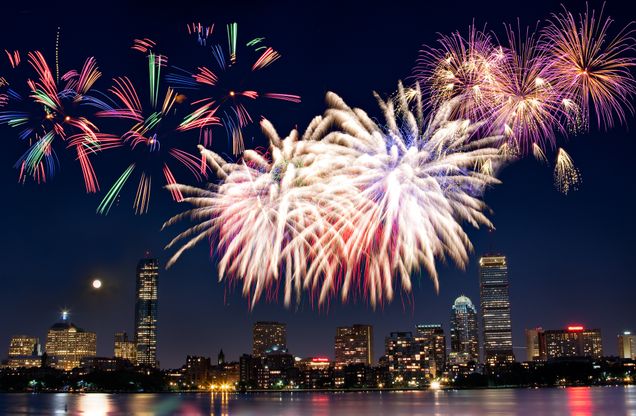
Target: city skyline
352, 344
570, 255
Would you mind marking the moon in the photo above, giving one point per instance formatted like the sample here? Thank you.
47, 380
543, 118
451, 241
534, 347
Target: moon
97, 284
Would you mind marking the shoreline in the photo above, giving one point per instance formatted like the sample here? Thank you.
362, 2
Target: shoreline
366, 390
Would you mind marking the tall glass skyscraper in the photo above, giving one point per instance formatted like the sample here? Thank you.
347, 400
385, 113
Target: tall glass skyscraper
146, 312
495, 309
464, 337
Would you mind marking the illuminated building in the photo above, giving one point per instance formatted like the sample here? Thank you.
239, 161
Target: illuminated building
278, 370
403, 359
24, 352
353, 345
495, 309
92, 364
627, 345
124, 348
315, 372
463, 333
146, 312
432, 343
535, 345
248, 371
220, 359
461, 364
67, 344
574, 341
268, 337
196, 371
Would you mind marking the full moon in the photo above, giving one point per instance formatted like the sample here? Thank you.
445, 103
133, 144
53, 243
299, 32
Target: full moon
97, 283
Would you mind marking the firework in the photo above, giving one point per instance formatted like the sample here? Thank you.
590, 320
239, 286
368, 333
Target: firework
225, 85
7, 90
152, 140
592, 68
352, 205
265, 215
527, 106
415, 183
51, 112
566, 177
460, 67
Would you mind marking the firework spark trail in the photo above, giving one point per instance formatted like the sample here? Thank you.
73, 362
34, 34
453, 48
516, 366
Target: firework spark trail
353, 204
566, 177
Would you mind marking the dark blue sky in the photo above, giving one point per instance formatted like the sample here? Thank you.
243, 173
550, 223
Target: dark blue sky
570, 257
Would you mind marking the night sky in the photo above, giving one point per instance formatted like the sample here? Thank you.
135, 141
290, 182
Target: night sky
570, 257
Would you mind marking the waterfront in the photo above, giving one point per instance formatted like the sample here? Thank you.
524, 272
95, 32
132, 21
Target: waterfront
579, 401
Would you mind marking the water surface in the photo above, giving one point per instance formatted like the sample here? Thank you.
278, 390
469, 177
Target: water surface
579, 401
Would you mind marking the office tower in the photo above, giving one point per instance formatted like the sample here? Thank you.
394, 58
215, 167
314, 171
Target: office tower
402, 358
67, 344
268, 337
627, 345
353, 345
575, 341
125, 348
464, 338
220, 359
146, 312
432, 343
24, 351
535, 344
495, 309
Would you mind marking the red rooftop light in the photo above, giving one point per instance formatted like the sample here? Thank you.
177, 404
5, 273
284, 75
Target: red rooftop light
575, 328
320, 360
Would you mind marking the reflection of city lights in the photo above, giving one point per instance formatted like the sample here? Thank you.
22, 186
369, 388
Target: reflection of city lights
94, 404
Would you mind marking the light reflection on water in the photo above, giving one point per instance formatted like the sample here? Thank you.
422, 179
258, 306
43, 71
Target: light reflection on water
577, 401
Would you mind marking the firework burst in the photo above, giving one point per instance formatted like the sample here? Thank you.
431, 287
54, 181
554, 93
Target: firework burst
264, 216
353, 205
460, 67
225, 85
49, 113
592, 69
152, 140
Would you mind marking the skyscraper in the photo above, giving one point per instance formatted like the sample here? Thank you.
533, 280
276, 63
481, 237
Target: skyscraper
146, 312
268, 337
575, 341
354, 345
535, 344
627, 345
464, 337
125, 348
495, 309
67, 344
432, 342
